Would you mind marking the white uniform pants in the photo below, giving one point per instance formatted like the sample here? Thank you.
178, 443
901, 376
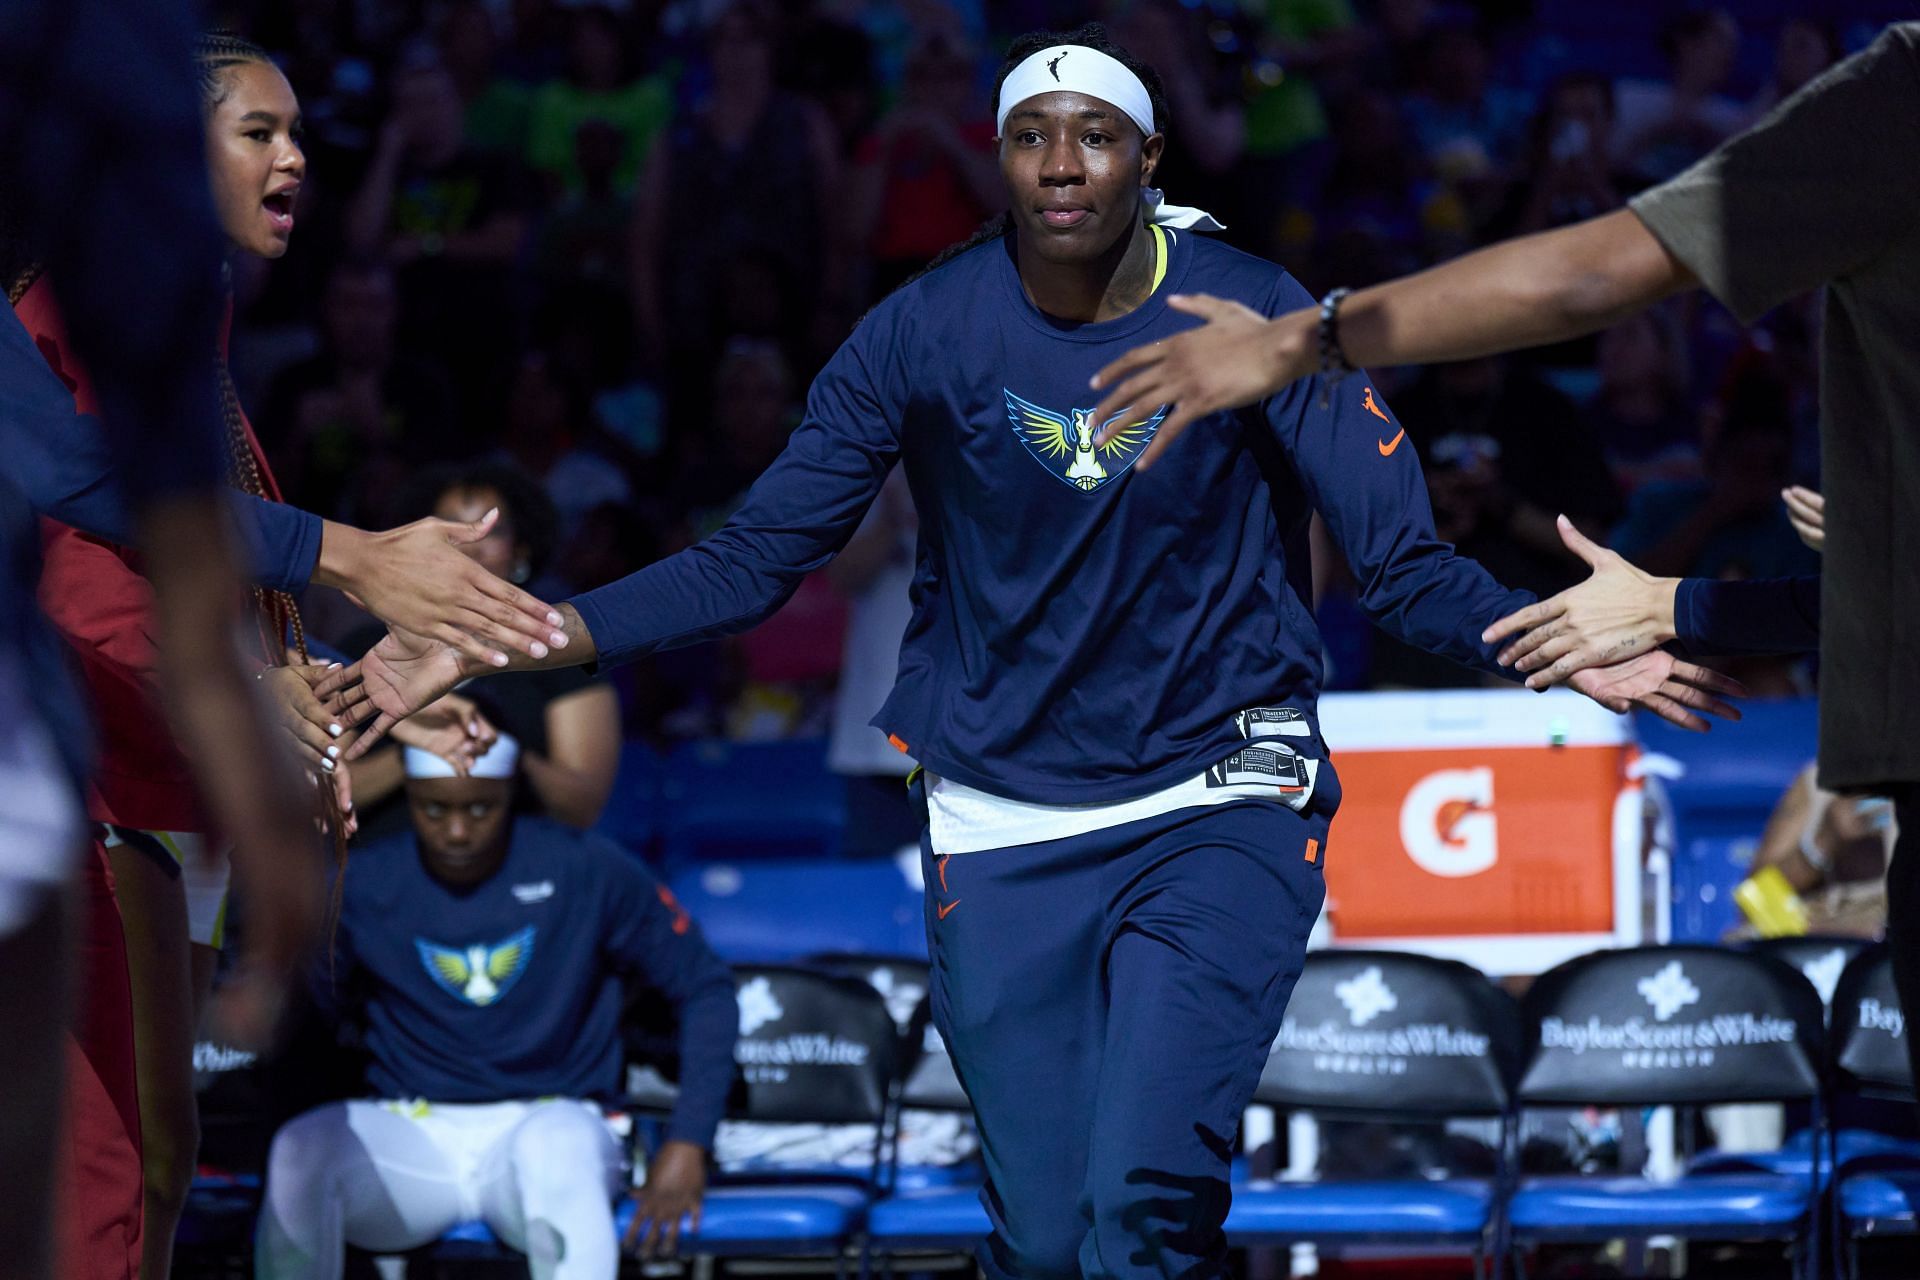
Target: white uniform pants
392, 1176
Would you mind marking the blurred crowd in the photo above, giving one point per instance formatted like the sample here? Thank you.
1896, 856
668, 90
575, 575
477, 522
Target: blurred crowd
580, 260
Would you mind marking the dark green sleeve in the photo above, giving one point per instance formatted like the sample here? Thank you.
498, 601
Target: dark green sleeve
1818, 189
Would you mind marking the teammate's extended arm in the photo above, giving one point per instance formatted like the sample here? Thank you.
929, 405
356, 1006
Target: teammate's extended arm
1522, 293
1621, 611
794, 520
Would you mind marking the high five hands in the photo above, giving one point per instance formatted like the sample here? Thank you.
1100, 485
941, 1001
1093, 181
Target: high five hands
1602, 637
416, 578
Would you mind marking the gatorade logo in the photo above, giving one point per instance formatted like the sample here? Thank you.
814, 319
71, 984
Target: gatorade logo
1447, 824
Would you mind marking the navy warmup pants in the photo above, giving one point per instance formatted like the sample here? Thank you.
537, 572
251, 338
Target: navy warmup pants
1109, 1000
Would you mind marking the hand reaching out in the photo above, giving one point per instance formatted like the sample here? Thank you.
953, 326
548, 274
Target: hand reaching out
1234, 359
452, 728
1663, 684
401, 675
417, 579
1619, 612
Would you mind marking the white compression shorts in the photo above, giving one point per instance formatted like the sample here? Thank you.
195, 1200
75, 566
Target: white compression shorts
389, 1176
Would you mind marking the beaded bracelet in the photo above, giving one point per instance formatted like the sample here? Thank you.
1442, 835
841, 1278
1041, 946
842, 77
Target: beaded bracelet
1333, 359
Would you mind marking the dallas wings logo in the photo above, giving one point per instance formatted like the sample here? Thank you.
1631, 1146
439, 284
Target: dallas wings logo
1063, 444
478, 975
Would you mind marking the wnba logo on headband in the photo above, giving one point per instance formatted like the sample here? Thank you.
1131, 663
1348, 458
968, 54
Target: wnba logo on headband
1087, 71
1076, 68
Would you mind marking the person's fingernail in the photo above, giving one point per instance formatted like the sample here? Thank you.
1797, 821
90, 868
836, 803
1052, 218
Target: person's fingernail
497, 659
333, 731
333, 753
554, 619
333, 666
327, 765
558, 639
538, 650
491, 513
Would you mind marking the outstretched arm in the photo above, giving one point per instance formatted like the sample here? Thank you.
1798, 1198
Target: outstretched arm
1621, 612
794, 520
1521, 293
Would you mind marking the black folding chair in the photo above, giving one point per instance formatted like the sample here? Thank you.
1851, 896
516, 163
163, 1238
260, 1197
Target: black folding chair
1683, 1026
1397, 1038
814, 1048
1877, 1183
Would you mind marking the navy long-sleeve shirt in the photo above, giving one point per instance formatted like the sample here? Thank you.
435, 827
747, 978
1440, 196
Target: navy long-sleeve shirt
1082, 632
65, 465
1762, 615
514, 988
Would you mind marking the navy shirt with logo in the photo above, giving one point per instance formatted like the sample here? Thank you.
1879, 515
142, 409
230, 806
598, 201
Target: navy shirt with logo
513, 988
1082, 632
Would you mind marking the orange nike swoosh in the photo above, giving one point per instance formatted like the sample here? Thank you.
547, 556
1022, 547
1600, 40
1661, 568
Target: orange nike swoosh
945, 907
1388, 446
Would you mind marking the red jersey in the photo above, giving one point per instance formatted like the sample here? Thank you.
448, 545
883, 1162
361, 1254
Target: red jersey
96, 595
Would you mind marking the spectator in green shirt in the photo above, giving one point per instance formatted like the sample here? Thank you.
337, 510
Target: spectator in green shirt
599, 85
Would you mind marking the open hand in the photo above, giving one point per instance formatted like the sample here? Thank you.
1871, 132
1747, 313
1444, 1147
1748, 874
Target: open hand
1663, 684
1619, 612
1237, 357
676, 1183
401, 675
417, 579
315, 733
452, 728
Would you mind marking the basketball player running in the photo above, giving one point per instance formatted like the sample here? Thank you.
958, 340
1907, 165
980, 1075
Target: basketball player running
1111, 686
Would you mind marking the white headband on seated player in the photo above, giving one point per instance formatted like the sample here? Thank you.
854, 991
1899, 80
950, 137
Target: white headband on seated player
1075, 68
502, 760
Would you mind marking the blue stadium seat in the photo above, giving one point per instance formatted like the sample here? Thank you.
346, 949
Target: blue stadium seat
741, 802
787, 910
739, 1221
1451, 1209
1685, 1026
632, 815
1383, 1035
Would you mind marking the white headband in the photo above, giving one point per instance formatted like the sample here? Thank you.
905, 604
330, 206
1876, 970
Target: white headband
501, 761
1075, 68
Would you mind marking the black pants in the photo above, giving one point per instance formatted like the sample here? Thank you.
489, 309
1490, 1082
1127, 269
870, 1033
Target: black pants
1903, 912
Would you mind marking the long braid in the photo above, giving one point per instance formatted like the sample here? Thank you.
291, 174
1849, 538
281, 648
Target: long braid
278, 612
21, 282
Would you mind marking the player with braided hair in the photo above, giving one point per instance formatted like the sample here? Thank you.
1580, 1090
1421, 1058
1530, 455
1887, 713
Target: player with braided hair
1112, 687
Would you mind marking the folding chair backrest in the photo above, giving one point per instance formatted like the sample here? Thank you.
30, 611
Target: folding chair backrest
1819, 958
1869, 1027
813, 1047
1680, 1025
1390, 1033
930, 1084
